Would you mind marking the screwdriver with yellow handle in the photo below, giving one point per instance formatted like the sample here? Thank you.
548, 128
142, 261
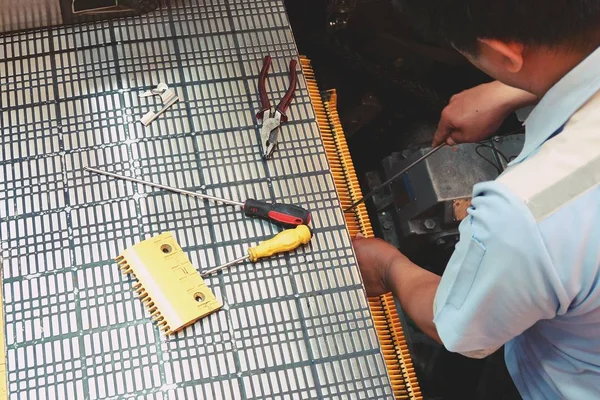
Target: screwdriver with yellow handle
288, 240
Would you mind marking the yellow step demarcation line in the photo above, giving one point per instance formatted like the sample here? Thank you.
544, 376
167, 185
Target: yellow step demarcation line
385, 315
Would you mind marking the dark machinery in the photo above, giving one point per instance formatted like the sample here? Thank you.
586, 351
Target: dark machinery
425, 205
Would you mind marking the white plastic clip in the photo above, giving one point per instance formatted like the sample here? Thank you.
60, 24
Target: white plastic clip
168, 97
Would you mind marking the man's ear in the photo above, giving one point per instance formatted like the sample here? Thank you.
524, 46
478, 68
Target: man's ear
509, 54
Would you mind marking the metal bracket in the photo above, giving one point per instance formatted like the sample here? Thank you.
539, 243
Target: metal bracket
109, 7
168, 97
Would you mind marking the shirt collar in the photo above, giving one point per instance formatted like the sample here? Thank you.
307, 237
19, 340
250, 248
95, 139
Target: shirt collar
562, 101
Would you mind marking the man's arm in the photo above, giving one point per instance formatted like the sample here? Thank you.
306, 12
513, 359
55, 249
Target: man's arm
475, 114
415, 288
498, 282
385, 269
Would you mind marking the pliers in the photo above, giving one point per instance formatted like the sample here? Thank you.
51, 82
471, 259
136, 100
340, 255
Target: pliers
272, 118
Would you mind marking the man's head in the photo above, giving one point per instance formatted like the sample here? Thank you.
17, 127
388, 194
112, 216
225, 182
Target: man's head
512, 39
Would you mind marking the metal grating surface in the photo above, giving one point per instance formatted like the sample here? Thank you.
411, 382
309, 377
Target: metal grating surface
293, 327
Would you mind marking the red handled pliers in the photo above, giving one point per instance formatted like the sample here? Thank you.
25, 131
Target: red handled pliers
272, 118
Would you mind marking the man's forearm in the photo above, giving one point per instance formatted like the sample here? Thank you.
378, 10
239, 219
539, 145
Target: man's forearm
415, 289
513, 98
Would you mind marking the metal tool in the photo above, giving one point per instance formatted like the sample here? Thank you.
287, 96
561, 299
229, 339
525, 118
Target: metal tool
393, 178
168, 97
272, 118
287, 240
285, 214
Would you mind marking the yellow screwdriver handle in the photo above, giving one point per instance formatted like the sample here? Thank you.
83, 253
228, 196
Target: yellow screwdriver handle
287, 240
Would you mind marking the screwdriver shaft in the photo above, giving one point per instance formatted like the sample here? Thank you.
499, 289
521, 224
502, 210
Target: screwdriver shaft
224, 266
169, 188
393, 178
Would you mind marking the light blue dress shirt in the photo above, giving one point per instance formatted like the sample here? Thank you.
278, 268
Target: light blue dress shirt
526, 271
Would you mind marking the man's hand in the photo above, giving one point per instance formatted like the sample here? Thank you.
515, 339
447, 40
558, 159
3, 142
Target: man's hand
384, 269
375, 259
477, 113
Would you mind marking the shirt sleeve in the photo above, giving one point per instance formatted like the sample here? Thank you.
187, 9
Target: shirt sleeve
499, 281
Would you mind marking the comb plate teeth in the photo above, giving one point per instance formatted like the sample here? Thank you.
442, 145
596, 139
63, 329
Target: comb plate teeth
385, 316
168, 285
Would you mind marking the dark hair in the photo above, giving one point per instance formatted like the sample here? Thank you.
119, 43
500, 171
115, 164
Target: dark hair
571, 23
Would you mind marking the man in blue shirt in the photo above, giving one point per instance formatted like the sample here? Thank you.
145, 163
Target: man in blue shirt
526, 272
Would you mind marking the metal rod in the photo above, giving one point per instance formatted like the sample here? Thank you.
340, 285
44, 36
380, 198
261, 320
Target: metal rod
219, 268
393, 178
172, 189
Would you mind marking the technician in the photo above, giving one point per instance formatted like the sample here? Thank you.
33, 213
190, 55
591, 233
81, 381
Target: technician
526, 272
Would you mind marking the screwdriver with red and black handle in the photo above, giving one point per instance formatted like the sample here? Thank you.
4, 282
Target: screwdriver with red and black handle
284, 214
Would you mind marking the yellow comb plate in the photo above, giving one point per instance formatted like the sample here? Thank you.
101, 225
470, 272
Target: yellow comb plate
168, 284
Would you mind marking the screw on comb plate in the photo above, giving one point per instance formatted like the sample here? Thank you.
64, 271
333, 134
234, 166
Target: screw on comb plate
168, 284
